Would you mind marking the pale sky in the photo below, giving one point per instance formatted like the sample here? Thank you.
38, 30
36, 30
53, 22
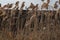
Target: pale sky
27, 2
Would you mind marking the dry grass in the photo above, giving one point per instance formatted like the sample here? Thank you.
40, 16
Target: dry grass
48, 30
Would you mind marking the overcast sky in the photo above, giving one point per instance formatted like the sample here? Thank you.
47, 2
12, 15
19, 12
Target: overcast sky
27, 2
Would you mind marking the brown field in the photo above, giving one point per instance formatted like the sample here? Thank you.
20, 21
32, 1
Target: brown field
17, 25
